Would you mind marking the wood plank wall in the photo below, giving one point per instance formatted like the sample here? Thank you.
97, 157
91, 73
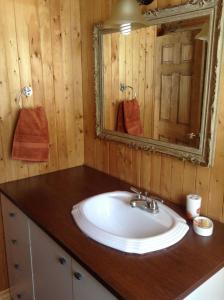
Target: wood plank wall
40, 45
160, 174
129, 60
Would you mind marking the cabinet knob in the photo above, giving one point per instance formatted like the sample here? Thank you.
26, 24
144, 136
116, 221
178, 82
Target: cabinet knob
14, 242
78, 275
16, 266
12, 214
62, 260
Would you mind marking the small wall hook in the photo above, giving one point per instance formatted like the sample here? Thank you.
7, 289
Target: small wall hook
124, 87
27, 91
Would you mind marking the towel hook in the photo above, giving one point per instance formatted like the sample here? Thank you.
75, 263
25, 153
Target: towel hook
27, 91
124, 87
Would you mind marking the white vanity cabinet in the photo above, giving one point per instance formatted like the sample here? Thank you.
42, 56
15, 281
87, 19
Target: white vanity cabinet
57, 276
39, 269
16, 230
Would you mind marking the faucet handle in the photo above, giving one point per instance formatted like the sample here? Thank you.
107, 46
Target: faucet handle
152, 205
133, 189
157, 199
136, 191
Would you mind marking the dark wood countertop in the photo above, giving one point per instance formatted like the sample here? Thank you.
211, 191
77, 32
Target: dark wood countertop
171, 273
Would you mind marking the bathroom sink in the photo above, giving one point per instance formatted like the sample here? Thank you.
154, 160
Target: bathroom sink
110, 220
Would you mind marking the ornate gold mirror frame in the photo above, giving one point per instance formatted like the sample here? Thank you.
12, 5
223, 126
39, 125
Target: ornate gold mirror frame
204, 155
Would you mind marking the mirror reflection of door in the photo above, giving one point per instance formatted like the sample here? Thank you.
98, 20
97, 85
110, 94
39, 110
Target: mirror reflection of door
165, 66
178, 87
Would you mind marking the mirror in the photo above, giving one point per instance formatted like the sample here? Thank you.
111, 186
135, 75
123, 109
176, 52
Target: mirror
155, 87
157, 72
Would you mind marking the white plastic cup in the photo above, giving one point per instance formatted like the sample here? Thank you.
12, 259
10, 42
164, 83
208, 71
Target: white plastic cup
193, 206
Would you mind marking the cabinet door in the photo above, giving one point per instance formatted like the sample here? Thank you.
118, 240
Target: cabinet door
52, 271
18, 251
86, 287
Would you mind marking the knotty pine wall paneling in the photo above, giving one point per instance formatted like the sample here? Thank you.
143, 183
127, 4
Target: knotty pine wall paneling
40, 45
129, 60
160, 174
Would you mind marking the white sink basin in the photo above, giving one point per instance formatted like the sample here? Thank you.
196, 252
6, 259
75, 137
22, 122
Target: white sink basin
110, 220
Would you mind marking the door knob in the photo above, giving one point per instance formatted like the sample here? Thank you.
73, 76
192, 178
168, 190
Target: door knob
192, 135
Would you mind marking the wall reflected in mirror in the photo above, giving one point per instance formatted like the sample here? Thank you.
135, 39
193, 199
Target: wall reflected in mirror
153, 81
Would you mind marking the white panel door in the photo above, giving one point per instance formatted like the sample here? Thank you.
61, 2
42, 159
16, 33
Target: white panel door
52, 270
86, 287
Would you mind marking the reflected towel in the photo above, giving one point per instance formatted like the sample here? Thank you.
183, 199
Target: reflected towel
120, 126
31, 138
128, 118
132, 119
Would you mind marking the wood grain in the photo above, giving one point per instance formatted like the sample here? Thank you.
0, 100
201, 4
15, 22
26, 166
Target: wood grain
40, 45
128, 60
160, 174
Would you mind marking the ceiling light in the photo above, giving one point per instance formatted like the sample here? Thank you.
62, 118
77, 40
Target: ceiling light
125, 28
125, 16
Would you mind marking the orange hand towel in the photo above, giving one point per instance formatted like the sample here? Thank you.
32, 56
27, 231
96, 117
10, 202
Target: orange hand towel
31, 138
132, 119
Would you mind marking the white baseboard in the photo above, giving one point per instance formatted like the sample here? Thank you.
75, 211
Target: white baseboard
4, 295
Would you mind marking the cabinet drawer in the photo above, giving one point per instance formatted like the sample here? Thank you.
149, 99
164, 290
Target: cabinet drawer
18, 251
20, 283
15, 223
16, 236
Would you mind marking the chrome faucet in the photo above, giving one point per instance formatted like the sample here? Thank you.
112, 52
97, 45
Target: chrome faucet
148, 203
